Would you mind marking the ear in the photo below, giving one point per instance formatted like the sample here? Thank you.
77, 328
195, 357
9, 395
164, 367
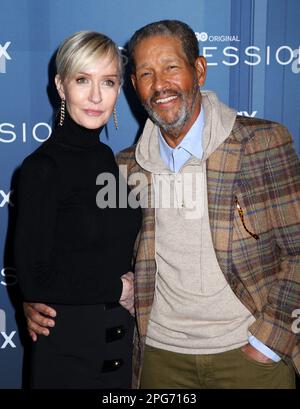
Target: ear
133, 80
59, 86
200, 65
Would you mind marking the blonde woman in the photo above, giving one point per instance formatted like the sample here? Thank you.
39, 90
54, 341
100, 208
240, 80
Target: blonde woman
70, 253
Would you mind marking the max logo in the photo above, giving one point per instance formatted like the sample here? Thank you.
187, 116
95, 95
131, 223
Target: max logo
5, 198
4, 56
7, 338
249, 114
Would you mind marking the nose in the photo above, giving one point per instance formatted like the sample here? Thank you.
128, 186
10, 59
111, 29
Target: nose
95, 94
160, 82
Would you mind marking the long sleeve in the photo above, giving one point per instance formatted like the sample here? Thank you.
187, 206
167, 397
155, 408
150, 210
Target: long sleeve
282, 185
39, 196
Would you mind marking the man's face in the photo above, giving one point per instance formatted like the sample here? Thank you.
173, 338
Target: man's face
167, 84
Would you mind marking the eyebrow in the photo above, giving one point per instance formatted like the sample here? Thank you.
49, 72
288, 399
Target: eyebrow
164, 60
140, 67
89, 74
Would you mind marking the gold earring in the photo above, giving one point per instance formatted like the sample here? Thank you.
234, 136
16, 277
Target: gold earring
115, 118
62, 112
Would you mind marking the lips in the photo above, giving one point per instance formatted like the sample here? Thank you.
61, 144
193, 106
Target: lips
165, 100
93, 112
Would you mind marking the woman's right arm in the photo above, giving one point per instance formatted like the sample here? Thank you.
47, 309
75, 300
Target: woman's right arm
37, 204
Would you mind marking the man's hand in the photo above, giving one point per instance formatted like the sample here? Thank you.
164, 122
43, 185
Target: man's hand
37, 317
127, 296
254, 354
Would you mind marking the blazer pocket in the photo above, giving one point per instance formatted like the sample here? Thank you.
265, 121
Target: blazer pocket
244, 220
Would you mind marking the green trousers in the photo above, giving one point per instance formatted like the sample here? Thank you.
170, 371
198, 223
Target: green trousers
227, 370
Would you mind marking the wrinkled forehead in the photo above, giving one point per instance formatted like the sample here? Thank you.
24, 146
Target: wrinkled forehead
160, 48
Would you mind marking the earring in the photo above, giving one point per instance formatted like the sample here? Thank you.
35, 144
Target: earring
115, 118
62, 112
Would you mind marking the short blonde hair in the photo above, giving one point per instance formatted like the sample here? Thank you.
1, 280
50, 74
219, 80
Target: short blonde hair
83, 48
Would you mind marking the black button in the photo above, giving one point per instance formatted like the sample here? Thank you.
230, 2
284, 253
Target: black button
112, 365
115, 333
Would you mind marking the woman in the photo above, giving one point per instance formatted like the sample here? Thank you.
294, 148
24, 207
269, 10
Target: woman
71, 251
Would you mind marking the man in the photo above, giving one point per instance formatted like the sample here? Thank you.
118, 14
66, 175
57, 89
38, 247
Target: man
217, 280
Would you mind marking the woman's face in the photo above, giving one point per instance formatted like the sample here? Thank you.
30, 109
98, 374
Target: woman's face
91, 94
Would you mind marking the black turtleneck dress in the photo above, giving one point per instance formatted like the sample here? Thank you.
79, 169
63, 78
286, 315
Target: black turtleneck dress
70, 254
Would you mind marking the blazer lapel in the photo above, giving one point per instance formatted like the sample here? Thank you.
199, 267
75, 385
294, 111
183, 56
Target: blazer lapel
222, 171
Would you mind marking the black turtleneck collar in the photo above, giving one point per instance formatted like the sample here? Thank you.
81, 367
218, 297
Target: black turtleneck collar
73, 134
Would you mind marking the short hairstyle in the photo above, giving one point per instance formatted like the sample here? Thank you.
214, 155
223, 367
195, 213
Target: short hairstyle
170, 28
82, 48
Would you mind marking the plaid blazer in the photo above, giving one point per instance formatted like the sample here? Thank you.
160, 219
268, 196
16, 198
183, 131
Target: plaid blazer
257, 170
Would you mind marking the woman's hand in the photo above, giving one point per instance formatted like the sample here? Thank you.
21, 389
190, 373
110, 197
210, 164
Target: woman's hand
37, 317
127, 296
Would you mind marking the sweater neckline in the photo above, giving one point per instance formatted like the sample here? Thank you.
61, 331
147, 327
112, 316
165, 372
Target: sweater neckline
73, 134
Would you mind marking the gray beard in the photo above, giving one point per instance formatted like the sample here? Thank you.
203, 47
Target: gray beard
174, 128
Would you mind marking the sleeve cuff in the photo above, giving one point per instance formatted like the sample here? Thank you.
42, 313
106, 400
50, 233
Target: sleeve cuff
257, 344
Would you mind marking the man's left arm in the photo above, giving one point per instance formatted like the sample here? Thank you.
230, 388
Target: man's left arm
282, 186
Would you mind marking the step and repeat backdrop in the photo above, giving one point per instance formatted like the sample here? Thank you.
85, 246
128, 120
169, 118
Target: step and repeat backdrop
253, 53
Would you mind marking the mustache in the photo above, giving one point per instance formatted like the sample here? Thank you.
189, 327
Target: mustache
164, 94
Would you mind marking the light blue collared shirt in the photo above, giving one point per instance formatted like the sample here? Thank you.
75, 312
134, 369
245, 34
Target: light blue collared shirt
175, 158
261, 347
191, 145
